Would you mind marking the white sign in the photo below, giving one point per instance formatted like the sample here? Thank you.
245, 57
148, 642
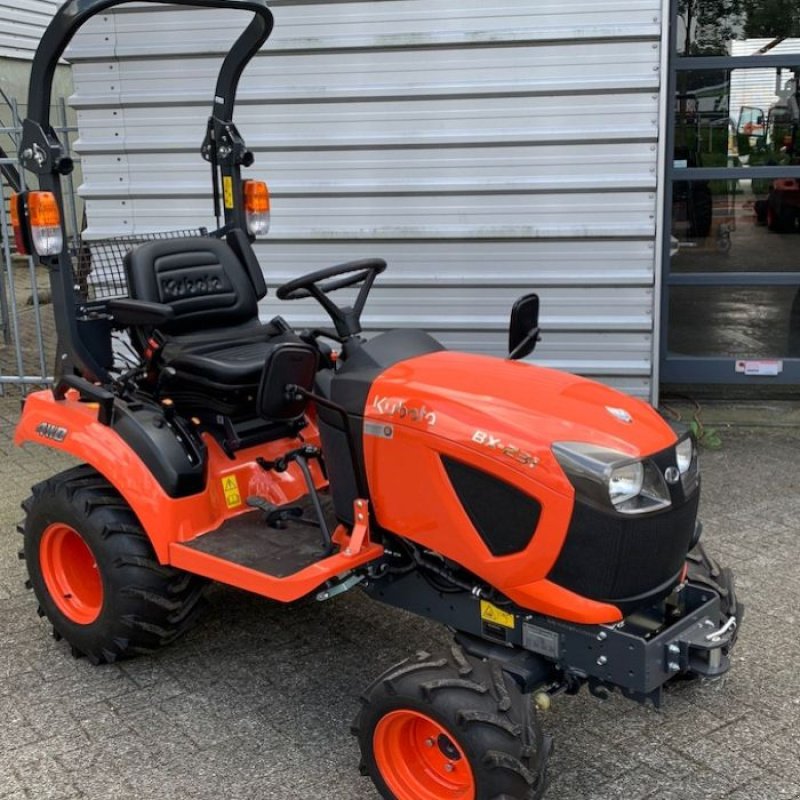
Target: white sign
763, 367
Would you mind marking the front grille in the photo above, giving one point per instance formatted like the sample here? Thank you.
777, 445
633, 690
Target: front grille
614, 558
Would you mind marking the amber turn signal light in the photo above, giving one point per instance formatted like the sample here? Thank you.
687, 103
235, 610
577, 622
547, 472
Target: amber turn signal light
256, 206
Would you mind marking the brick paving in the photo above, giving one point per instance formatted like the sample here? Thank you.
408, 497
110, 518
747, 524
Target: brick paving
256, 701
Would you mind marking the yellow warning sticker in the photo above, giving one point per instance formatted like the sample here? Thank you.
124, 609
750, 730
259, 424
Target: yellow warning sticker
227, 191
491, 613
231, 489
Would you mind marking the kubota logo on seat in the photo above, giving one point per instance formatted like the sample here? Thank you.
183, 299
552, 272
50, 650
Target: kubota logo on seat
394, 407
175, 288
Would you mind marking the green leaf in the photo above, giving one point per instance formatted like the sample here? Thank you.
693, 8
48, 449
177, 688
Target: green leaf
711, 439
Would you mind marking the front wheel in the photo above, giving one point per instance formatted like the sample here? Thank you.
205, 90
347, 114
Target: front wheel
451, 728
94, 571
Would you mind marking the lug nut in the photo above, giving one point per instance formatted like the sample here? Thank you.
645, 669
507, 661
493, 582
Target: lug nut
602, 636
602, 661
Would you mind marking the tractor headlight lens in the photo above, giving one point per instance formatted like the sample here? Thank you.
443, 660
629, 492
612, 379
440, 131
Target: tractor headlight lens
625, 482
607, 478
684, 454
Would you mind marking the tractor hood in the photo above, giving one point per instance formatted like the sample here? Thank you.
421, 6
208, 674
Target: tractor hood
514, 410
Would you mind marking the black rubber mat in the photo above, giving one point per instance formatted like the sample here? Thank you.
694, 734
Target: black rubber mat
248, 540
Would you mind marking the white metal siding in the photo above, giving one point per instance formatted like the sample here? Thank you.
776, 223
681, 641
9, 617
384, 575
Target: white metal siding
483, 147
22, 23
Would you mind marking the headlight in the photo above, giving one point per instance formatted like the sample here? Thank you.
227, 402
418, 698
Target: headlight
688, 466
684, 454
625, 482
606, 477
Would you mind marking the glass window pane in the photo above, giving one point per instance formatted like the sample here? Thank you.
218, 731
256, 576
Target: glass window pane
736, 27
740, 117
736, 226
734, 322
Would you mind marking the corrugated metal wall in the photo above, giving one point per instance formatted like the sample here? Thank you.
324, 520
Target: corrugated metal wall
21, 25
483, 147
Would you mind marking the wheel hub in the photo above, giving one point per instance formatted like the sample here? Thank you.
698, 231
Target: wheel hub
419, 759
70, 573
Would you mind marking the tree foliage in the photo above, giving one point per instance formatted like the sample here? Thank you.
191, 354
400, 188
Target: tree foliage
708, 26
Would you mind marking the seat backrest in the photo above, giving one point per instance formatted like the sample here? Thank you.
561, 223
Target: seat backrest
201, 278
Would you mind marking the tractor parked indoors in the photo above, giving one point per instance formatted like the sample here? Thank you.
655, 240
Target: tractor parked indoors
774, 141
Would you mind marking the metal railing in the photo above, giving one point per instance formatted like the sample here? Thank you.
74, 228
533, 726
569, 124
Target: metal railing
27, 329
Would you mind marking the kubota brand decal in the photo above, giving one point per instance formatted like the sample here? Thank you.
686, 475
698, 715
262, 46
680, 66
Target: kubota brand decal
50, 431
509, 450
619, 413
393, 407
186, 287
230, 487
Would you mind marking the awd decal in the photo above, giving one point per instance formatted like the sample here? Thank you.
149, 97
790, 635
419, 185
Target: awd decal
509, 450
392, 407
53, 432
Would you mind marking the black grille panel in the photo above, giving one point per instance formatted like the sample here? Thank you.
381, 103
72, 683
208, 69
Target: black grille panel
503, 516
611, 557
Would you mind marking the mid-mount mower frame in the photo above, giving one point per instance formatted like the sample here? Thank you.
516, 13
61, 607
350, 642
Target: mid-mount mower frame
548, 521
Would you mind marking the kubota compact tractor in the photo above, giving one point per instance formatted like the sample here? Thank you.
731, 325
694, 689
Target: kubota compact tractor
548, 521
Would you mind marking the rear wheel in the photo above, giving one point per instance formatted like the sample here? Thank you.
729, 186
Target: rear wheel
780, 215
451, 728
701, 210
94, 571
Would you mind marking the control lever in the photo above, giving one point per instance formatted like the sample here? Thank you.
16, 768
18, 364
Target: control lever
301, 457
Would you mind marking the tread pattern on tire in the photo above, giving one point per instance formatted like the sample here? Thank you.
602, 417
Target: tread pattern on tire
495, 725
149, 604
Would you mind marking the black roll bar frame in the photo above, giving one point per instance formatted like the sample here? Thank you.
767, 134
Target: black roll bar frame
42, 153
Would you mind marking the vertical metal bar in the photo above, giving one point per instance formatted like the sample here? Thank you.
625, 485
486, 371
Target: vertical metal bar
11, 293
3, 298
668, 178
37, 313
73, 210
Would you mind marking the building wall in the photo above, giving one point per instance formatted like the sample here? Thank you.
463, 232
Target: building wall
21, 25
485, 148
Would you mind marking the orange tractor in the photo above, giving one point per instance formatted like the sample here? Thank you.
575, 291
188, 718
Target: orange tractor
548, 521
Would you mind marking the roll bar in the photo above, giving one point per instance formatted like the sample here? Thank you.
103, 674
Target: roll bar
41, 153
74, 14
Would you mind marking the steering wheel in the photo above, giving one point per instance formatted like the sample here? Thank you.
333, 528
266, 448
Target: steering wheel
319, 284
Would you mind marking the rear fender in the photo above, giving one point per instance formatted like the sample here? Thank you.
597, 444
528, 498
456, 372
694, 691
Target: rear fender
72, 427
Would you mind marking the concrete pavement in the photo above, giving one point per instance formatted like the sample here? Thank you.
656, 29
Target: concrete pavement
256, 702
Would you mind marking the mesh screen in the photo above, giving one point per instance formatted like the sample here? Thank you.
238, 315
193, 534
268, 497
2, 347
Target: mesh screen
98, 265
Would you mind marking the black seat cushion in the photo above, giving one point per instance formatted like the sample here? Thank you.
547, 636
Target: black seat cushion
230, 363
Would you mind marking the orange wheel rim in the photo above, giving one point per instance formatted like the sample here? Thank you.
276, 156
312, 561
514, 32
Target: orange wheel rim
70, 573
419, 759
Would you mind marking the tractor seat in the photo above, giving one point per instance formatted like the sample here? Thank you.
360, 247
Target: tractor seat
214, 344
